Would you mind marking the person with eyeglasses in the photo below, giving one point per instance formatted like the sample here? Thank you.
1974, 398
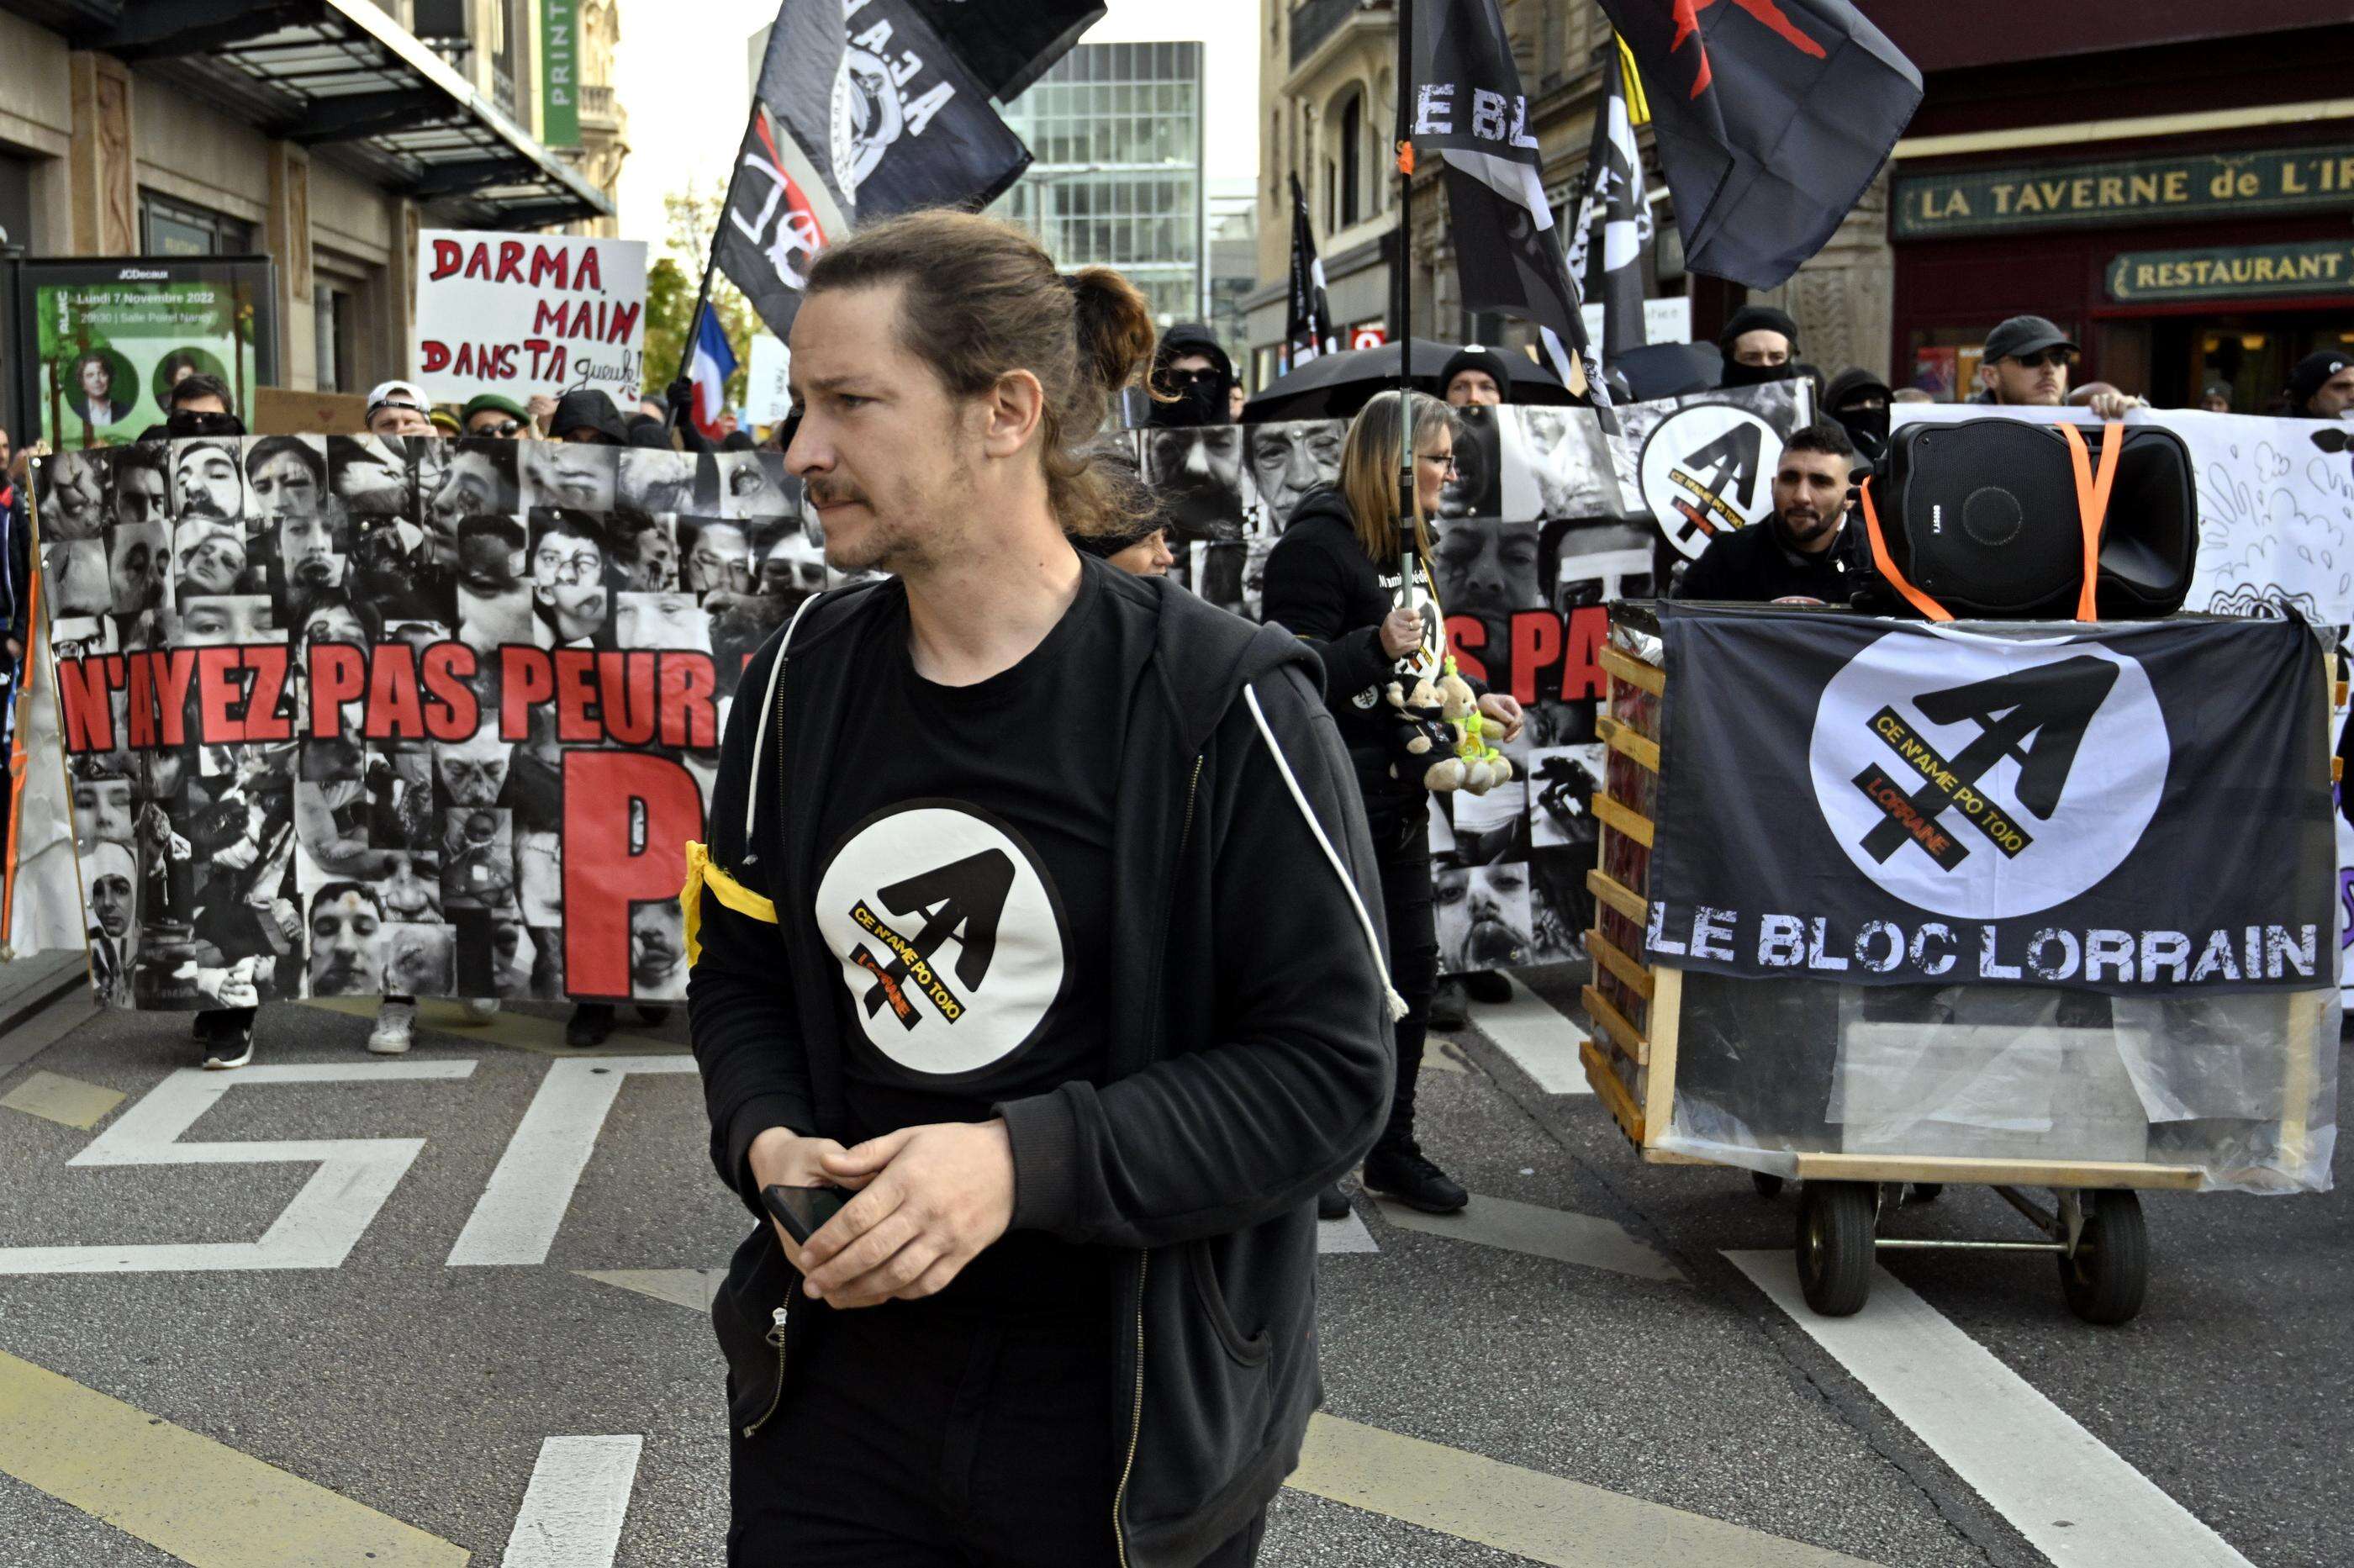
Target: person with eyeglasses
2026, 365
1192, 379
493, 416
1334, 580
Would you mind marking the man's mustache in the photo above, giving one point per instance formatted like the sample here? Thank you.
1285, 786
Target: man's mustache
835, 493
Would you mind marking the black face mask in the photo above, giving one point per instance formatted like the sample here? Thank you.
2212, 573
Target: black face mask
1199, 402
1868, 429
1739, 375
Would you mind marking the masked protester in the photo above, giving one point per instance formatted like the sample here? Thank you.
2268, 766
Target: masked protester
1190, 368
1064, 984
1760, 344
1858, 400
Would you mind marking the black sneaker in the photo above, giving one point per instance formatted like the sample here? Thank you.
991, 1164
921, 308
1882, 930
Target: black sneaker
1449, 1011
1332, 1203
590, 1025
1407, 1175
653, 1015
227, 1043
1489, 986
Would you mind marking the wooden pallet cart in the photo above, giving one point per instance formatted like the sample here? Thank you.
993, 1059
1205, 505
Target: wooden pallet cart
2093, 1226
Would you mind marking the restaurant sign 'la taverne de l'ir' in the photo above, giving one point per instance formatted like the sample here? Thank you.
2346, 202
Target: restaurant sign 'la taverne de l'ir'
1936, 206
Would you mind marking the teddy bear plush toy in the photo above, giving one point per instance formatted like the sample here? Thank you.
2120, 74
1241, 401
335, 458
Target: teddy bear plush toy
1441, 721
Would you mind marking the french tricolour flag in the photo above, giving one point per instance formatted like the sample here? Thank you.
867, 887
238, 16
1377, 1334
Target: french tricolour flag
715, 362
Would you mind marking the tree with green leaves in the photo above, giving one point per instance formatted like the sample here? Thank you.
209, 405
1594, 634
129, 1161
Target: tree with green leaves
693, 215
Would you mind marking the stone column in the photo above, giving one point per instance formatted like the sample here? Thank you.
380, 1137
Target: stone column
397, 321
99, 163
288, 237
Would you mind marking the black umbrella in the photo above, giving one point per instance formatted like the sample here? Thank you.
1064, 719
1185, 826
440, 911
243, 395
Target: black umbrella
1335, 386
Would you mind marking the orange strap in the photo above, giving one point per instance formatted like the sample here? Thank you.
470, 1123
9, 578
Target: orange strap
1405, 157
1887, 564
2092, 503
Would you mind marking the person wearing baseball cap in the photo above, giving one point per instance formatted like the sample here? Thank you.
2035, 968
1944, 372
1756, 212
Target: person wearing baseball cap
2321, 385
399, 409
498, 417
1476, 376
2026, 365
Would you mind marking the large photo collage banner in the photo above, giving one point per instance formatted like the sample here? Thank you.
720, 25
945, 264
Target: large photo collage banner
344, 716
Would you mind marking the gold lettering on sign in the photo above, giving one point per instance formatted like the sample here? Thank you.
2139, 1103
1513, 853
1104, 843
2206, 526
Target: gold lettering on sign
2292, 182
2177, 184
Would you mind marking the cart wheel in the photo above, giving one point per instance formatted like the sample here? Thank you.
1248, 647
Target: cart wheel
1835, 1245
1767, 1186
1923, 1191
2105, 1276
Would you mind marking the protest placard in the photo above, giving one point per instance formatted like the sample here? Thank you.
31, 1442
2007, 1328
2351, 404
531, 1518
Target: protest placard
525, 313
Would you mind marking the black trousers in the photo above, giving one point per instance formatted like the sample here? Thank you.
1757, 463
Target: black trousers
1403, 848
911, 1438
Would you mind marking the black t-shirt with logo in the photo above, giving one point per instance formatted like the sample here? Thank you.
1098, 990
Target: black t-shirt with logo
964, 886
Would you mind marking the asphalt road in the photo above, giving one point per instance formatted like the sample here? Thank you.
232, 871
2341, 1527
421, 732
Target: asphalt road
1596, 1334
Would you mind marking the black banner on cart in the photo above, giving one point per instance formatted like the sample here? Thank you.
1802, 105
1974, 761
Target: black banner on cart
2139, 808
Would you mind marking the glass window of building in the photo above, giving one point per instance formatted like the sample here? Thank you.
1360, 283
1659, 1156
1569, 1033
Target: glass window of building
170, 227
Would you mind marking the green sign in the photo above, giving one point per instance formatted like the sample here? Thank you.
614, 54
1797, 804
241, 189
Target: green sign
559, 72
2296, 267
113, 337
2127, 190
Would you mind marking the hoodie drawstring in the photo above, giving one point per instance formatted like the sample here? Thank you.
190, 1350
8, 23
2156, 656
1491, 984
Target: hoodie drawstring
1372, 938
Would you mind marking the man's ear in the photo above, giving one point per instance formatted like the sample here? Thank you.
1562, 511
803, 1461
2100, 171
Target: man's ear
1010, 412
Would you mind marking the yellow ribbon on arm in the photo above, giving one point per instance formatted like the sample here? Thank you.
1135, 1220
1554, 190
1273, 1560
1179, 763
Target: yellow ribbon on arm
703, 872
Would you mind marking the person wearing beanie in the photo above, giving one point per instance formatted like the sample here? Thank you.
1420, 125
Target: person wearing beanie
498, 417
2217, 398
1759, 343
1476, 376
2321, 386
1858, 400
1140, 548
1194, 373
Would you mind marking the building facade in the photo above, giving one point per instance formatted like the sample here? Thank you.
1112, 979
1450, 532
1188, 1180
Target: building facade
2173, 187
1116, 130
321, 134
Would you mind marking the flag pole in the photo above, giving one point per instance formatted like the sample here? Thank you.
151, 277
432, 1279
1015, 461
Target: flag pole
702, 294
1402, 299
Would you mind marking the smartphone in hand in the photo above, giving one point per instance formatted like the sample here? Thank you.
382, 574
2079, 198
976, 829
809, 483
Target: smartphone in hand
801, 1210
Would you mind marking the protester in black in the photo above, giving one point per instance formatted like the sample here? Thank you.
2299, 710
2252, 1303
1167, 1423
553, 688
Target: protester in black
1759, 344
1193, 379
1042, 881
1805, 550
1477, 376
1334, 578
2321, 385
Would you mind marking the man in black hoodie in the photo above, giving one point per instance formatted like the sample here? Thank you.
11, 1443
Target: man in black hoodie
1190, 368
1034, 915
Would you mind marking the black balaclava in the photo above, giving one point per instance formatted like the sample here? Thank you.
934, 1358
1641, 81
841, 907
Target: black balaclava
1757, 318
1198, 402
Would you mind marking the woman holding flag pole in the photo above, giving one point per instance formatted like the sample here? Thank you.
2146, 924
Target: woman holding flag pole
1352, 575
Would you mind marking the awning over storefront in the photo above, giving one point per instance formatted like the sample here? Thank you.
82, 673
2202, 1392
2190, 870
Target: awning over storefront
342, 77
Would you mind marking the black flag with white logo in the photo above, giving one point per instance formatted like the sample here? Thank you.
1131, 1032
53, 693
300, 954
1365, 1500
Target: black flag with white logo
1613, 214
1469, 108
860, 117
1771, 116
1308, 332
1009, 44
2137, 808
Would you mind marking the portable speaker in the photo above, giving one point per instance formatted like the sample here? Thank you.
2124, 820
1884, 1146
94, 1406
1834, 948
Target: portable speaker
2003, 520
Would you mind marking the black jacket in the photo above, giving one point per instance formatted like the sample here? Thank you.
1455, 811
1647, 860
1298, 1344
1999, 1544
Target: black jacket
1322, 585
1751, 565
1258, 1069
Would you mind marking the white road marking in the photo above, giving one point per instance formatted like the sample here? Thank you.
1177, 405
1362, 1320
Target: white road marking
1541, 1232
2073, 1499
1538, 1036
572, 1513
1345, 1235
317, 1230
519, 1213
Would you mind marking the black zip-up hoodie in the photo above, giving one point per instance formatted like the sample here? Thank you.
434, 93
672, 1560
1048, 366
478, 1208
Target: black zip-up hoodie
1252, 1067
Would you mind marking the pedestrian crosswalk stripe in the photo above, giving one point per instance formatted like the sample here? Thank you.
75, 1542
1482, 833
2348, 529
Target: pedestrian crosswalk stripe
522, 1207
1345, 1235
573, 1510
1544, 1518
1539, 1232
2073, 1499
181, 1492
1539, 1037
68, 1102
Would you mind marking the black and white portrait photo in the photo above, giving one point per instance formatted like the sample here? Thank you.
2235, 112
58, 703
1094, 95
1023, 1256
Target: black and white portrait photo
1196, 471
1483, 916
578, 474
1287, 460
